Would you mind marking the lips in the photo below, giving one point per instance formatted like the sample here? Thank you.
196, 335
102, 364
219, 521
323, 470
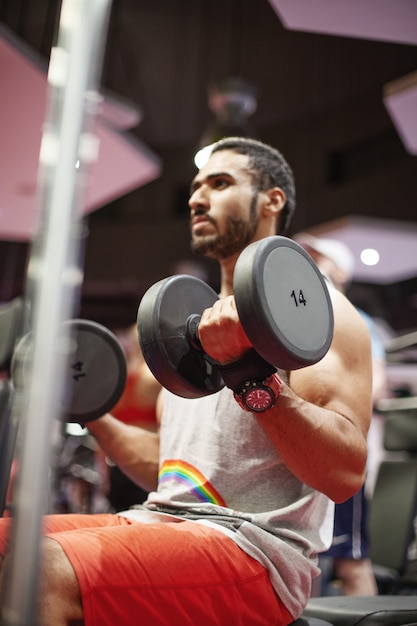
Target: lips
199, 223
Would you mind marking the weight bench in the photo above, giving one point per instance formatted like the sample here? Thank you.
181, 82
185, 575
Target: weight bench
364, 611
310, 621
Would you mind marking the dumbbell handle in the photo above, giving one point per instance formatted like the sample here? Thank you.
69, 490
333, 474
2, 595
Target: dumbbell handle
251, 365
191, 331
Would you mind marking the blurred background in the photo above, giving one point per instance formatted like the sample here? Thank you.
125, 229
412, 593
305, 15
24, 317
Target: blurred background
332, 85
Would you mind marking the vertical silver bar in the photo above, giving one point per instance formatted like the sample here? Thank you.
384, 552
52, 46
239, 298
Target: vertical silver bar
54, 275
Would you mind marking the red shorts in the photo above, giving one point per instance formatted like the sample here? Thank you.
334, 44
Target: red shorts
176, 573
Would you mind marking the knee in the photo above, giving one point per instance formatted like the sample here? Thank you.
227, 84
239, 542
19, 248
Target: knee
59, 590
56, 569
59, 600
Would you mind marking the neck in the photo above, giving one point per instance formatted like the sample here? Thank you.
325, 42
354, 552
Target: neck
227, 268
265, 228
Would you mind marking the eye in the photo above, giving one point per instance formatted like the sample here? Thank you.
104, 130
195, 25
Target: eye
220, 182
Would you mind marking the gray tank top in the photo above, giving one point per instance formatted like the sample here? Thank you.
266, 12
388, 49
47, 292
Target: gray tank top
217, 466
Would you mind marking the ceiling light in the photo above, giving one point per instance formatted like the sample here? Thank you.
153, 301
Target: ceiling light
202, 156
232, 101
370, 256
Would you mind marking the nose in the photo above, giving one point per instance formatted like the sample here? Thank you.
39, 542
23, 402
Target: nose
198, 201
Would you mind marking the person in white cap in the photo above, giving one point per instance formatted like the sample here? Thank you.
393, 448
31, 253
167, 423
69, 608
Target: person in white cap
349, 552
333, 257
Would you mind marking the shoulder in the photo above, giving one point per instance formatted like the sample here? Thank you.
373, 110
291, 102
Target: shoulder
378, 349
347, 362
350, 350
351, 338
346, 314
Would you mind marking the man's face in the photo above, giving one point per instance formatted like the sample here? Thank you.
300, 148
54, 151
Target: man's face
223, 206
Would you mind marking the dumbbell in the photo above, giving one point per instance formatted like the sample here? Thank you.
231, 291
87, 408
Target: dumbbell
95, 369
283, 305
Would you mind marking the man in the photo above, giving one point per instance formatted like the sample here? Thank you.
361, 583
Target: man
243, 501
349, 553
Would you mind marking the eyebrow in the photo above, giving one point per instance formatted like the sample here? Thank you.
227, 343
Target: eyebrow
196, 183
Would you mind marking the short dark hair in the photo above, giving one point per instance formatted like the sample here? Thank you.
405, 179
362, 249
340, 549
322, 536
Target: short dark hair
269, 168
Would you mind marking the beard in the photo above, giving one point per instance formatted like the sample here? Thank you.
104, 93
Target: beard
238, 233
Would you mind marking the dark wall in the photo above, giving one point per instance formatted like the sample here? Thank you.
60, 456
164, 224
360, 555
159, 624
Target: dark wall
319, 101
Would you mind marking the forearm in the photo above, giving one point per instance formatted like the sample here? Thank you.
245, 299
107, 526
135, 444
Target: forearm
134, 450
323, 448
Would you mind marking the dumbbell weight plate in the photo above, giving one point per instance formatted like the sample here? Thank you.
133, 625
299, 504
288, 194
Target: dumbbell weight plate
283, 303
162, 318
94, 374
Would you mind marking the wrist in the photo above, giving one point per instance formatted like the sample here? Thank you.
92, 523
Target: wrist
258, 396
250, 366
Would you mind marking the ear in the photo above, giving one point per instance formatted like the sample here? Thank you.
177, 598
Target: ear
274, 201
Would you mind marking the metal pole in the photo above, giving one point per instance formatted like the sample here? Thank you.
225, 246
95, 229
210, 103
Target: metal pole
54, 275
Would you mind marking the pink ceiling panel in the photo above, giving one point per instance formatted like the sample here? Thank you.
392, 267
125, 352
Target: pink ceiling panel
383, 20
123, 164
400, 100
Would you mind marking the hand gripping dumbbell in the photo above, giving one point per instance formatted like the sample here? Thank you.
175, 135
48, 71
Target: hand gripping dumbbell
283, 305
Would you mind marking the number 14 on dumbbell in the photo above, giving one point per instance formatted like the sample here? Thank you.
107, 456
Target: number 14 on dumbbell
298, 299
283, 304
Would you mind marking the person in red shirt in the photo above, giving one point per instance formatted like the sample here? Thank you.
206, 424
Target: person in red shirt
136, 406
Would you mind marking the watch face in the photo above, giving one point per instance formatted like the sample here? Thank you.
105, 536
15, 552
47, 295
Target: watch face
259, 399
